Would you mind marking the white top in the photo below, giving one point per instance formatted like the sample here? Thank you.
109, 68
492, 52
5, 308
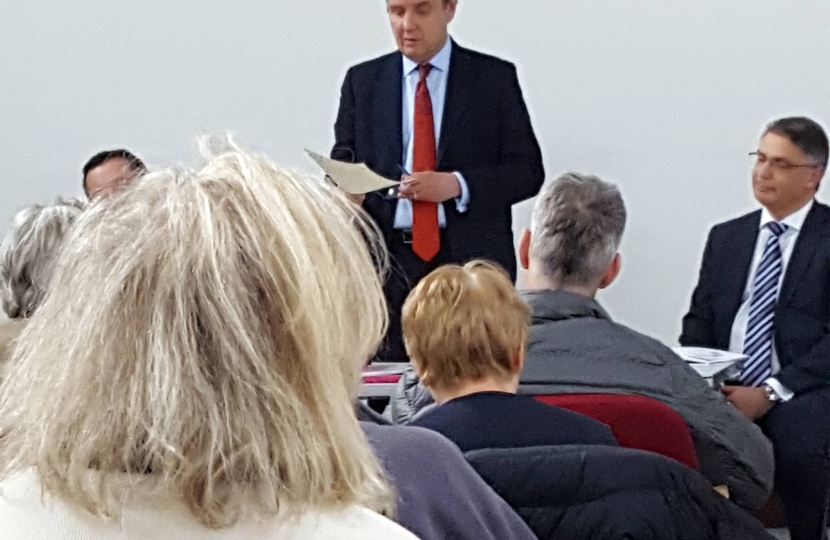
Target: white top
795, 222
26, 515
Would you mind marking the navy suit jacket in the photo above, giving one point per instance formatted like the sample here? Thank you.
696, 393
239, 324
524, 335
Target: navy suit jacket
486, 135
801, 324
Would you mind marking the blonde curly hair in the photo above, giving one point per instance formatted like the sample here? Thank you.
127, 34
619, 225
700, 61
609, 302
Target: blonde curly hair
206, 330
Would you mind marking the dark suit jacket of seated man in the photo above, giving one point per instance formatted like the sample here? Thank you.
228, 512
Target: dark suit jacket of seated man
486, 159
783, 252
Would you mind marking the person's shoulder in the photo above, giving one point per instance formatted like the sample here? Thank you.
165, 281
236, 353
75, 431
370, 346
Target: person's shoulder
587, 429
371, 67
646, 348
821, 210
821, 207
415, 448
353, 523
482, 59
410, 439
740, 222
27, 509
562, 414
435, 416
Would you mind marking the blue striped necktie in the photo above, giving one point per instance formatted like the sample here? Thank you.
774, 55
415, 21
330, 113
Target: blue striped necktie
758, 340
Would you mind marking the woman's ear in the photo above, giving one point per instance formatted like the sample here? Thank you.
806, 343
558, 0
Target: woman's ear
518, 359
423, 374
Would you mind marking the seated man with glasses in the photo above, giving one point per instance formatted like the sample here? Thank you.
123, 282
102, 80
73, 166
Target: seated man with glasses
764, 291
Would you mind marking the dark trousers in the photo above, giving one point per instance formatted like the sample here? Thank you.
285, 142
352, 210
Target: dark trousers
800, 433
406, 270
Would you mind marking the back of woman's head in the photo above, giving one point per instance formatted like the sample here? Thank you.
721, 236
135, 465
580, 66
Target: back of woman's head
207, 327
29, 252
463, 324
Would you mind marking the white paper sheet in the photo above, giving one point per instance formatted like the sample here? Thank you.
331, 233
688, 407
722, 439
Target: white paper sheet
354, 178
702, 355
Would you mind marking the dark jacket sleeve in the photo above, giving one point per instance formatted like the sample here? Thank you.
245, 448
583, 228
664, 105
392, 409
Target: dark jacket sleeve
440, 496
699, 323
520, 173
812, 370
344, 126
732, 450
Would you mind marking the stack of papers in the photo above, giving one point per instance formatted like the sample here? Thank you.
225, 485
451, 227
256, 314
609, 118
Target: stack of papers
701, 355
709, 362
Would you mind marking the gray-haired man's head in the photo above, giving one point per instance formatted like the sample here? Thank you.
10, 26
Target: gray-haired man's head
576, 228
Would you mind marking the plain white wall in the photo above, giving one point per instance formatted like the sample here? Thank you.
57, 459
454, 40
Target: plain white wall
664, 98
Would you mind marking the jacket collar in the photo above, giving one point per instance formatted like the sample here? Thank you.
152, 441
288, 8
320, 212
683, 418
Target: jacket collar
558, 305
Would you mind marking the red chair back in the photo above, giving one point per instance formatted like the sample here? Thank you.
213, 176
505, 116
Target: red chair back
637, 422
392, 378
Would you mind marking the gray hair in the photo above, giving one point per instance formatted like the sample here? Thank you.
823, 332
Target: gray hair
29, 252
576, 228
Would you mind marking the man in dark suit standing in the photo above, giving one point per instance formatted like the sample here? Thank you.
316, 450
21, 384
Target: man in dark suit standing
452, 125
764, 291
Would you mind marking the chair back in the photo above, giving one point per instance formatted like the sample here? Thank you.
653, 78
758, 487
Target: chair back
637, 422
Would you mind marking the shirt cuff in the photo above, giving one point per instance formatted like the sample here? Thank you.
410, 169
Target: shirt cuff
463, 201
783, 392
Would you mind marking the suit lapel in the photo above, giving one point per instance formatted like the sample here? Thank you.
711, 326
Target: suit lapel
387, 114
454, 100
805, 247
738, 268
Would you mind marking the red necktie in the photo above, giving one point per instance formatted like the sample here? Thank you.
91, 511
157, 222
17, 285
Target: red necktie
425, 236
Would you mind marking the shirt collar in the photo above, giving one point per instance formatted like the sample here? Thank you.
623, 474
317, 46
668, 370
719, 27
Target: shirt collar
794, 221
559, 305
441, 60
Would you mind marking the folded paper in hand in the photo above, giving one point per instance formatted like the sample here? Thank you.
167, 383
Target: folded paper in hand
353, 178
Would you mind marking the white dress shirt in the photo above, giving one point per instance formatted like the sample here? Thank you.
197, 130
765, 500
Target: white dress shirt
437, 85
795, 222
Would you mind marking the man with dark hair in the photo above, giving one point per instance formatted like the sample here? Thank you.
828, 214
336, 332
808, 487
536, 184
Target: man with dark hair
107, 171
764, 291
453, 125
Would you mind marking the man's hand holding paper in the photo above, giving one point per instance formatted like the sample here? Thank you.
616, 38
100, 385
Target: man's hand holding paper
352, 178
430, 186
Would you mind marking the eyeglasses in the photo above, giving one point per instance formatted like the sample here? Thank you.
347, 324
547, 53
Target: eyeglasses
780, 163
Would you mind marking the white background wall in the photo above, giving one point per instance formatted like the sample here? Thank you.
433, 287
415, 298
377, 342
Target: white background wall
665, 98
